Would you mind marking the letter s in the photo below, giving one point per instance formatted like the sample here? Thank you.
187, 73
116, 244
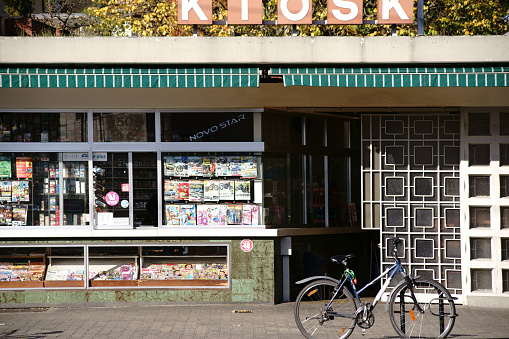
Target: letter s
354, 10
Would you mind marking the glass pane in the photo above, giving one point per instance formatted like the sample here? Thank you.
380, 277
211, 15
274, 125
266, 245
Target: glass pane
145, 205
124, 127
453, 279
395, 217
315, 128
505, 248
451, 155
479, 155
451, 127
424, 217
479, 186
207, 127
423, 155
452, 186
505, 280
75, 190
504, 124
478, 124
480, 217
453, 249
480, 248
481, 280
504, 212
338, 187
394, 126
424, 248
504, 186
423, 186
423, 127
43, 127
395, 186
504, 155
394, 155
336, 136
111, 188
452, 217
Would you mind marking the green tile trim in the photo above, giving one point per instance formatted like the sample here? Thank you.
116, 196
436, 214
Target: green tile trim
128, 77
390, 77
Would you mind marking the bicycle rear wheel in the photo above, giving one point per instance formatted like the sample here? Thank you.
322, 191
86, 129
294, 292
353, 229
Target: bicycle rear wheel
436, 317
315, 321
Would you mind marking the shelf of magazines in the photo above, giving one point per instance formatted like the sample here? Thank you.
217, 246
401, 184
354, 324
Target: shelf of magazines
211, 190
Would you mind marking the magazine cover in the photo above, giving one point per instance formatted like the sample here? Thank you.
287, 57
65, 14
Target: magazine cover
195, 166
172, 214
223, 166
181, 169
226, 190
15, 192
19, 215
254, 214
202, 212
242, 190
5, 167
209, 166
24, 191
235, 165
5, 191
249, 169
234, 215
187, 215
183, 193
171, 188
246, 214
169, 166
213, 215
196, 190
223, 210
211, 190
23, 167
5, 215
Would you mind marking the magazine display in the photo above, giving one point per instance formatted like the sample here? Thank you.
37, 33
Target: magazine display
234, 215
187, 214
21, 272
209, 271
5, 191
172, 214
19, 215
181, 166
194, 166
242, 190
5, 215
196, 191
226, 190
171, 190
211, 190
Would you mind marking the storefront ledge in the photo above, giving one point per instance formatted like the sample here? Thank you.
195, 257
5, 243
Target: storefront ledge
192, 232
487, 299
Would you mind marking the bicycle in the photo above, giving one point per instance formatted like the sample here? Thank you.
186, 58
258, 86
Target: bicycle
418, 307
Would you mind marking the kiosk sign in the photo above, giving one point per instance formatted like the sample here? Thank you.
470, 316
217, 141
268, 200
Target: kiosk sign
295, 12
246, 245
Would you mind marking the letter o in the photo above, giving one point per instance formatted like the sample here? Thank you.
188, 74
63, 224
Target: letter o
294, 16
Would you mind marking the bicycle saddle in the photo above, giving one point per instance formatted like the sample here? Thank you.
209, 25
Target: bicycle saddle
342, 257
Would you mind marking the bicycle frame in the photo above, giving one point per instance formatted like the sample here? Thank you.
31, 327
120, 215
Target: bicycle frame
390, 272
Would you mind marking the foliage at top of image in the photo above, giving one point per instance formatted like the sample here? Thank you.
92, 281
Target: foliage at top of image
159, 18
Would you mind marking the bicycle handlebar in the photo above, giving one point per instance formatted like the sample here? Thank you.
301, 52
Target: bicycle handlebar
395, 241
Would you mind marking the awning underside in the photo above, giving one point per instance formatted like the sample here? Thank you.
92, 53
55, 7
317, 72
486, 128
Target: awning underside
389, 77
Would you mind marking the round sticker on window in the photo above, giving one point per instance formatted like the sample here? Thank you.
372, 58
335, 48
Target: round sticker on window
124, 203
112, 198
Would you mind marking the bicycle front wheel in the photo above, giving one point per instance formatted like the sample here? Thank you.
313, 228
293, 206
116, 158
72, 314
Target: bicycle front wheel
431, 316
315, 320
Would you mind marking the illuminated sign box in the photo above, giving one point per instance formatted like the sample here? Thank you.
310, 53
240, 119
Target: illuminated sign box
295, 12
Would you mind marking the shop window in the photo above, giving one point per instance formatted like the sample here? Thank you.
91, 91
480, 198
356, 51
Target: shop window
480, 248
478, 124
207, 127
504, 124
43, 127
337, 133
111, 189
211, 189
504, 155
479, 217
43, 189
478, 155
504, 216
481, 280
145, 204
124, 127
479, 186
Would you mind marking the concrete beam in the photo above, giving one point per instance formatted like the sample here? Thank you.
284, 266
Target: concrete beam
253, 50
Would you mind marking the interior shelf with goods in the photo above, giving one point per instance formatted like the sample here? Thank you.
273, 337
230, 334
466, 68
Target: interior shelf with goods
145, 189
22, 267
210, 189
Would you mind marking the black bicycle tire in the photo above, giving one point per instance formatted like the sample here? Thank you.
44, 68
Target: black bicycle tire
436, 285
298, 300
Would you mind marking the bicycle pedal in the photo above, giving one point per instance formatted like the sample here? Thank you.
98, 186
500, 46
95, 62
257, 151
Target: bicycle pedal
363, 332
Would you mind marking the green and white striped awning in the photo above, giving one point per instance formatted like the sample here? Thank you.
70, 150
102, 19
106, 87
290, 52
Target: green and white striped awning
392, 77
128, 77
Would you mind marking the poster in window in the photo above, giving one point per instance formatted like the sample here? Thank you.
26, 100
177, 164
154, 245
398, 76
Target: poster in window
5, 167
23, 167
5, 191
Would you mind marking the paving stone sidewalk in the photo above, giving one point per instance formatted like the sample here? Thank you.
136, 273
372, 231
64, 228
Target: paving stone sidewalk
192, 320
